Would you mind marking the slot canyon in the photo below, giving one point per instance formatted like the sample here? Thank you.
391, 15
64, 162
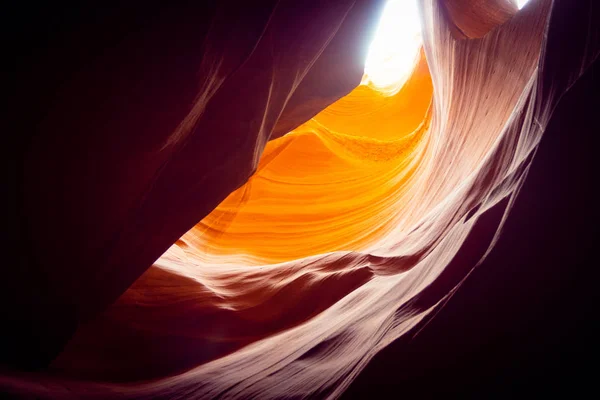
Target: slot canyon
315, 199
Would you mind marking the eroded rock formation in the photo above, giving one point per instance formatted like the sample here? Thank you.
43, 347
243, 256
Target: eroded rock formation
350, 229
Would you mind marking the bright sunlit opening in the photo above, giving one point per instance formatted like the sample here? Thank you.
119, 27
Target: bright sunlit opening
395, 49
521, 3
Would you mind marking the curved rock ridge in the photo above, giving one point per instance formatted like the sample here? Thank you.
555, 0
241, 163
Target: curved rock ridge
133, 124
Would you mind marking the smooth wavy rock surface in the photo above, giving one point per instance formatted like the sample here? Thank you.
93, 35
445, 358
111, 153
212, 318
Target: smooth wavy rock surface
330, 250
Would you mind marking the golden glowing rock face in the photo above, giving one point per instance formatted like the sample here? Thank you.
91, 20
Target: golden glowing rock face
326, 185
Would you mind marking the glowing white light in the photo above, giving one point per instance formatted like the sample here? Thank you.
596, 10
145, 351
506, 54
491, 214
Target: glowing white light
521, 3
395, 49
